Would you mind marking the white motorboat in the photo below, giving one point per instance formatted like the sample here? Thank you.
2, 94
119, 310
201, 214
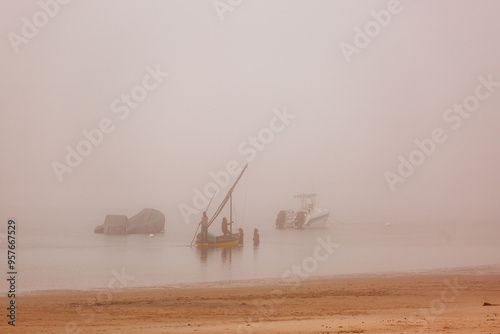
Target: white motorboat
308, 216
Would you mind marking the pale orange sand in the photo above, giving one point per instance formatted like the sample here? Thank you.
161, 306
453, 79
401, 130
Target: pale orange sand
439, 302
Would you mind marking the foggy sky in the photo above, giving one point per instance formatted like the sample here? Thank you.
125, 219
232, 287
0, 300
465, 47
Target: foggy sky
225, 77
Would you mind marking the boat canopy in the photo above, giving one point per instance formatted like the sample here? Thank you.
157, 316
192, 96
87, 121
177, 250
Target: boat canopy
308, 201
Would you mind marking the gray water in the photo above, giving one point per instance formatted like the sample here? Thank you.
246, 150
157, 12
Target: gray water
70, 256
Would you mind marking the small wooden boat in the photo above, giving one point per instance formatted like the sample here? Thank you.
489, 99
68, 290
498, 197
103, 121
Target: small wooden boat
221, 241
228, 240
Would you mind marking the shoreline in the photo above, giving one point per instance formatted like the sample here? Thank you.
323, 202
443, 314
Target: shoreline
490, 269
443, 301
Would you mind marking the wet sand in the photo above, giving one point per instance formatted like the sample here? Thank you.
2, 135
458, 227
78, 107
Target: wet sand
437, 302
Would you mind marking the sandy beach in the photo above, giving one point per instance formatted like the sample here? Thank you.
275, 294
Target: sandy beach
451, 301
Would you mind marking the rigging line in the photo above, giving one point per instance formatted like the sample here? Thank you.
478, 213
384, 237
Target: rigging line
235, 212
236, 215
240, 214
229, 193
245, 201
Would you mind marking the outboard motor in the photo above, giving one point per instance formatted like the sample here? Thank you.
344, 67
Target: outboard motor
281, 219
300, 219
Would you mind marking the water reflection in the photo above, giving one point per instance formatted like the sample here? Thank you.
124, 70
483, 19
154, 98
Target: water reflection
203, 251
226, 255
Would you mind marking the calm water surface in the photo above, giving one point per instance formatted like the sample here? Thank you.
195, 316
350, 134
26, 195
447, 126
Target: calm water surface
71, 256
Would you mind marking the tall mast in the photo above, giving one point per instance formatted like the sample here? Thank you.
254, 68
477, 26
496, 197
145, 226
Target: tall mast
231, 213
228, 197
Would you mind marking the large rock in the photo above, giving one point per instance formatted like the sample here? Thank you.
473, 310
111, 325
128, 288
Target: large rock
113, 224
99, 229
146, 221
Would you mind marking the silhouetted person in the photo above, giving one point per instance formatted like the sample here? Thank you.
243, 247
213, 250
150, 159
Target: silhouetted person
204, 227
256, 237
240, 240
225, 227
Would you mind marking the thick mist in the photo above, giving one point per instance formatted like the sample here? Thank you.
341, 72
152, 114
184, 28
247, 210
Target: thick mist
388, 109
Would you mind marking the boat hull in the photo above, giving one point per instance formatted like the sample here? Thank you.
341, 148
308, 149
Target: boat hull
317, 219
221, 241
302, 219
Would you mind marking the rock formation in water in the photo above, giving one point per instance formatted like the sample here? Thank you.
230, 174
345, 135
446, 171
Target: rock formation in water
147, 221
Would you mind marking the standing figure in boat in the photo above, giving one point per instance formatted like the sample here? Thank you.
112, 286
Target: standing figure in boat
225, 227
204, 227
